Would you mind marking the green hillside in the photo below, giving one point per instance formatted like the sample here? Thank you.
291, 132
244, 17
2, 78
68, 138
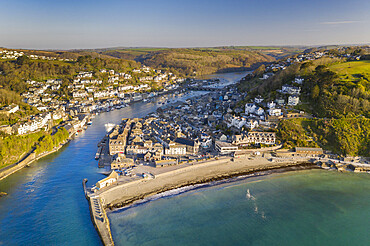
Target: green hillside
194, 61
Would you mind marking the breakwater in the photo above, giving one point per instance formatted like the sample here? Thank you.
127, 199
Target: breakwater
98, 217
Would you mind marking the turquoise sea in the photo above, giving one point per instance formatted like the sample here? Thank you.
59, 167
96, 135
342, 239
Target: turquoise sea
45, 204
312, 207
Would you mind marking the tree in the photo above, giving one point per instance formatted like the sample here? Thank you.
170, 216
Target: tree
23, 60
315, 92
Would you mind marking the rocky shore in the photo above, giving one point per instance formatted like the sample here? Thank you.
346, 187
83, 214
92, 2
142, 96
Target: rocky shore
340, 167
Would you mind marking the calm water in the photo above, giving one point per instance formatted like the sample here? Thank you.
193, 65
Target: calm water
46, 205
315, 207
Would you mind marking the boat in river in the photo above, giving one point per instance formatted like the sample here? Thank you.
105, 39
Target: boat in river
97, 155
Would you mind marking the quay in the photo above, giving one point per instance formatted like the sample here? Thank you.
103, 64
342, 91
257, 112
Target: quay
98, 216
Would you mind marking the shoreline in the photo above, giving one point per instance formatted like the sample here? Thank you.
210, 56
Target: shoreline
281, 168
136, 192
28, 160
218, 181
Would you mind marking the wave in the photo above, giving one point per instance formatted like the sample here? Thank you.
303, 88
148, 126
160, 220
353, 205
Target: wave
181, 190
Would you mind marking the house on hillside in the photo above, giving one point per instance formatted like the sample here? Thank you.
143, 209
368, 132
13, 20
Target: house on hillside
293, 100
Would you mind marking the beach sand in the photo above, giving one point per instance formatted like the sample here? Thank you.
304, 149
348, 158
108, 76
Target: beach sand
121, 195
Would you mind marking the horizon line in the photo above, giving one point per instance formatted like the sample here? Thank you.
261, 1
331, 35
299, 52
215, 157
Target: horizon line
182, 47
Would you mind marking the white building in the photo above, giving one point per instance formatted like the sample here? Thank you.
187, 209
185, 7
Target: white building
288, 89
293, 100
280, 101
260, 111
79, 94
271, 104
175, 149
258, 99
237, 122
298, 80
113, 177
251, 124
250, 108
275, 112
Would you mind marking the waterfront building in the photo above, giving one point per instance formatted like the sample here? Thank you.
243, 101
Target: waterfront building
164, 163
175, 149
192, 146
120, 161
254, 138
225, 148
309, 151
113, 177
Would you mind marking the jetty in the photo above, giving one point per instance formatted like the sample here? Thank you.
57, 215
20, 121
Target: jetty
98, 216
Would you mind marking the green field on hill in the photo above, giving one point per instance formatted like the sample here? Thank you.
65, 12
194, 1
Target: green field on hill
352, 71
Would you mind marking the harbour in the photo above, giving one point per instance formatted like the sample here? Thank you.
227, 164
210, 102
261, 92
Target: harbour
55, 182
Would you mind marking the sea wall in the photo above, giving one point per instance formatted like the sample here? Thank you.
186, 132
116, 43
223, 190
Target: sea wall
99, 217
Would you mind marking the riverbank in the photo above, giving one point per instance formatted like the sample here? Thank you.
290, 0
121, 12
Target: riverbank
29, 159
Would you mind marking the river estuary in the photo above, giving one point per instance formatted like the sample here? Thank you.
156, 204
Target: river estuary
45, 204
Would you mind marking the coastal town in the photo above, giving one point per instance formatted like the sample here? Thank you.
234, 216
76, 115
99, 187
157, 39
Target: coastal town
183, 123
85, 97
210, 127
224, 132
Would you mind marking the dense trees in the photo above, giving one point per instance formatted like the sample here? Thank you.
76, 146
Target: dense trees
346, 136
48, 142
13, 147
203, 61
14, 74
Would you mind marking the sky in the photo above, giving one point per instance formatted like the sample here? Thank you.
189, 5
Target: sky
76, 24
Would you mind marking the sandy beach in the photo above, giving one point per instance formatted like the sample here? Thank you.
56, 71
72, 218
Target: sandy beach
121, 195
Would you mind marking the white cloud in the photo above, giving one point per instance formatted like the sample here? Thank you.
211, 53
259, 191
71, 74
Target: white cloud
338, 22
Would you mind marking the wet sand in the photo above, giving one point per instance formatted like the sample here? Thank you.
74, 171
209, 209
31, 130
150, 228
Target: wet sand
121, 195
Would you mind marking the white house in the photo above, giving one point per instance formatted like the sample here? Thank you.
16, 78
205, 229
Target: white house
77, 94
206, 143
238, 122
271, 104
280, 101
275, 112
260, 111
298, 80
288, 89
175, 149
113, 177
250, 108
10, 109
258, 99
251, 124
293, 100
